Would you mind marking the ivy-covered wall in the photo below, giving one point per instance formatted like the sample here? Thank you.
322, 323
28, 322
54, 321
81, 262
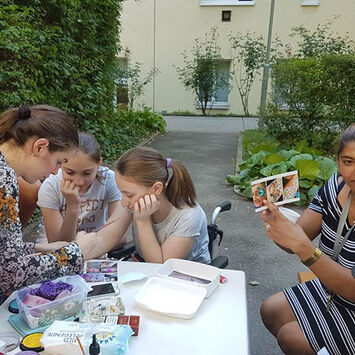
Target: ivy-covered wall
60, 53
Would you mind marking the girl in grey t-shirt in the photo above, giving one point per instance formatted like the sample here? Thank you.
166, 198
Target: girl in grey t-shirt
81, 197
167, 220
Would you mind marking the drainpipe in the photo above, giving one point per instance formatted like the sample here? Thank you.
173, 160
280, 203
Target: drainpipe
154, 49
266, 67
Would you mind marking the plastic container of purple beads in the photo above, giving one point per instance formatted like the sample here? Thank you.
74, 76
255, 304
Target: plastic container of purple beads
51, 300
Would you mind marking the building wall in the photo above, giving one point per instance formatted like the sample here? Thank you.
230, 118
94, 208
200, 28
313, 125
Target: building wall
156, 32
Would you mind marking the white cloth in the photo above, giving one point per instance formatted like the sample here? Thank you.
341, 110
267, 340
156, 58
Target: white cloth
93, 206
189, 222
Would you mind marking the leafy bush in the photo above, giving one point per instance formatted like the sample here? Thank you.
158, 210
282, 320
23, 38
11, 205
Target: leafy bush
123, 130
319, 97
313, 169
60, 53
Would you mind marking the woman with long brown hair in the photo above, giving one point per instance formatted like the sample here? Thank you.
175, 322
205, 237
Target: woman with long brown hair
34, 142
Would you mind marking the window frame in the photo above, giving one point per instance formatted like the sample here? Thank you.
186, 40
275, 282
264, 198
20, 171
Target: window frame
227, 2
309, 2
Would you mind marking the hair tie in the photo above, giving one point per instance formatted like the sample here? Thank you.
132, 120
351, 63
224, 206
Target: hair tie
24, 112
168, 163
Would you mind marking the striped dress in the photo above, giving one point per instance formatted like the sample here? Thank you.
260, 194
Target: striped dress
335, 329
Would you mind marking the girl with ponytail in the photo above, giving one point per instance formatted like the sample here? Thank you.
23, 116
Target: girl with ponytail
160, 196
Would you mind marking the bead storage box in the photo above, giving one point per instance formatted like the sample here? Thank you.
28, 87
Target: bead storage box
57, 309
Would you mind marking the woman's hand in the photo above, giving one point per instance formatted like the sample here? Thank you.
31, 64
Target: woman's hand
71, 193
282, 231
145, 207
88, 243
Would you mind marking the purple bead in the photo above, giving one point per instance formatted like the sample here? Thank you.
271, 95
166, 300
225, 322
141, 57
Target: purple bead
50, 290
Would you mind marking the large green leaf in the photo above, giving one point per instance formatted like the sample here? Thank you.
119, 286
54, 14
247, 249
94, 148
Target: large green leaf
287, 154
273, 158
267, 171
308, 169
280, 168
312, 151
327, 168
233, 179
312, 191
294, 159
257, 158
305, 183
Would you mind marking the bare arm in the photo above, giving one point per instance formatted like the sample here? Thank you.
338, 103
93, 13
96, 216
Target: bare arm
335, 277
112, 206
153, 252
59, 228
109, 237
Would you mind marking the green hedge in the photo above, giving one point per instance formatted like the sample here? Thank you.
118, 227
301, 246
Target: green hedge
319, 94
122, 130
59, 52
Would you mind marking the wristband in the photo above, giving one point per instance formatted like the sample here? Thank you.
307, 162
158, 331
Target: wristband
315, 256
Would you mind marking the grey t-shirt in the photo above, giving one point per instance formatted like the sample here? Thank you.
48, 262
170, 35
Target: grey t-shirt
189, 222
94, 203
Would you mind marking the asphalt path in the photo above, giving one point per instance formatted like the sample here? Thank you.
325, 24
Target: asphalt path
208, 147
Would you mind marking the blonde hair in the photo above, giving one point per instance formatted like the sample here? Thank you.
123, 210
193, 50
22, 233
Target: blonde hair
146, 166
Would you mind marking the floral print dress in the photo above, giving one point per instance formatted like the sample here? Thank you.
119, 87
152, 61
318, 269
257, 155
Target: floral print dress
17, 267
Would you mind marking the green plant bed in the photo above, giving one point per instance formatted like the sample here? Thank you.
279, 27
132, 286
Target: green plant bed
123, 130
272, 159
256, 139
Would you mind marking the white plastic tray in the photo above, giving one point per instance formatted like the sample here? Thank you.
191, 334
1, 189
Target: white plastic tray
193, 272
170, 297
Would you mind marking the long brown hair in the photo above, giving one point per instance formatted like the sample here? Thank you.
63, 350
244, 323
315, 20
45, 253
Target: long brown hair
42, 121
146, 166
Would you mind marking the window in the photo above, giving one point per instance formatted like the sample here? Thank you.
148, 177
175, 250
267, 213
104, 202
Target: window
227, 2
220, 97
121, 97
226, 16
310, 2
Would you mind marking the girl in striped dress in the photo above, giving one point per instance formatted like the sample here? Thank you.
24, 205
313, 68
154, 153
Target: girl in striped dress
319, 313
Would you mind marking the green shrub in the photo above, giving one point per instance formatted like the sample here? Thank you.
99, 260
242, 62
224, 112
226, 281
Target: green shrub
123, 130
60, 53
318, 94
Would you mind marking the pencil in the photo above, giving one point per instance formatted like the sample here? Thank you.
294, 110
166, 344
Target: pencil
81, 345
107, 224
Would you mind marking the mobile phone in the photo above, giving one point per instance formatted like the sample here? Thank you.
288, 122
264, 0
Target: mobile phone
105, 289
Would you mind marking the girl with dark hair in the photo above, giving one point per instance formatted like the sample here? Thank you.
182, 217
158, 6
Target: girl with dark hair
160, 196
81, 197
34, 142
321, 312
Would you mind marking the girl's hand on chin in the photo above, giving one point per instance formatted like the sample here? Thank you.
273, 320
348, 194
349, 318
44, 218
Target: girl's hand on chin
145, 207
71, 193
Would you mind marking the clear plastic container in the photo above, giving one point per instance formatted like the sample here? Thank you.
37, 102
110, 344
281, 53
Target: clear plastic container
70, 306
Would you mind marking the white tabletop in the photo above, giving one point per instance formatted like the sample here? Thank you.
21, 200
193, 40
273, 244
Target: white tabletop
219, 326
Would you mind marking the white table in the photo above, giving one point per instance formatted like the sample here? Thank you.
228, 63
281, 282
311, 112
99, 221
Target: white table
219, 326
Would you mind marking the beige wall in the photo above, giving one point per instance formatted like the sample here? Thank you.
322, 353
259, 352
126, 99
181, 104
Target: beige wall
157, 31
